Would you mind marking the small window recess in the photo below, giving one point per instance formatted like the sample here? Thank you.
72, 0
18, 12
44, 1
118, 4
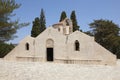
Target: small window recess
27, 46
77, 45
58, 29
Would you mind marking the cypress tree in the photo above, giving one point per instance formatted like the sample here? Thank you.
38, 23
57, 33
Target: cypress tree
42, 21
35, 28
39, 25
74, 21
63, 16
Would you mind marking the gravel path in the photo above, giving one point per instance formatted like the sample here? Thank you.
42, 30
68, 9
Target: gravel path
54, 71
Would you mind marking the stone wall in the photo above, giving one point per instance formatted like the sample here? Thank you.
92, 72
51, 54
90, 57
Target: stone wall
63, 49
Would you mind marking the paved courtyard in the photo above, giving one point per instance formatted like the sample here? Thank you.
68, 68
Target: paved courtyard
57, 71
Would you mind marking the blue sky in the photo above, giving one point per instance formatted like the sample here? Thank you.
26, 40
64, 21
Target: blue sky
86, 12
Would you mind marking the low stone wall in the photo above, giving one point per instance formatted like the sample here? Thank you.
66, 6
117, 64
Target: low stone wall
90, 62
29, 59
40, 59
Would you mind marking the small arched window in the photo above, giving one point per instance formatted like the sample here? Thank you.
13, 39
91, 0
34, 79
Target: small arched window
27, 46
58, 29
77, 45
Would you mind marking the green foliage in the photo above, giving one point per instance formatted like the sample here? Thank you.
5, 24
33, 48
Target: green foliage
89, 33
39, 25
8, 27
74, 21
63, 16
42, 21
5, 49
35, 28
106, 33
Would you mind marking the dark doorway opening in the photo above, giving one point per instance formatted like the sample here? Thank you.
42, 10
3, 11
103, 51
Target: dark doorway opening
49, 54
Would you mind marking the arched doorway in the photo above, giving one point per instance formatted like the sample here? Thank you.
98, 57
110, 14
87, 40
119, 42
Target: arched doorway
50, 50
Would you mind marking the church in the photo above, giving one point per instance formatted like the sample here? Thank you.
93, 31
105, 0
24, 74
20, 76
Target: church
59, 44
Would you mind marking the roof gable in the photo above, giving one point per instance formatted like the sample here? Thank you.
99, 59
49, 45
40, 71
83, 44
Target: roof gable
81, 35
50, 31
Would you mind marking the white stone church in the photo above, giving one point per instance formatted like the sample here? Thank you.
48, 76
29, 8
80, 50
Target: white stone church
59, 44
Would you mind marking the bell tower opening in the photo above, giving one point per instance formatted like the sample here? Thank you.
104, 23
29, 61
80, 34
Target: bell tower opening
64, 26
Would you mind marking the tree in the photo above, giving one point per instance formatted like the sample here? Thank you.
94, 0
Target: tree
36, 27
74, 21
39, 25
89, 33
42, 21
8, 27
5, 49
63, 16
106, 33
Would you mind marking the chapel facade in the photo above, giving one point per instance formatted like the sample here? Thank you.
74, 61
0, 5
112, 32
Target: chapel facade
59, 44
